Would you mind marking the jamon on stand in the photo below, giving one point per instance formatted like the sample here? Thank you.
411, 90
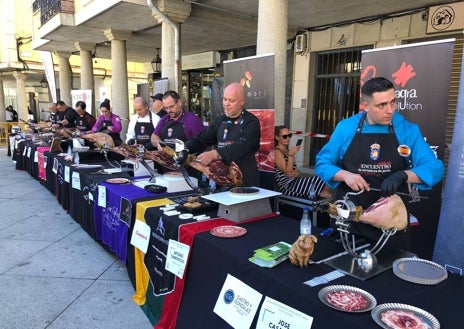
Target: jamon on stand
386, 213
217, 171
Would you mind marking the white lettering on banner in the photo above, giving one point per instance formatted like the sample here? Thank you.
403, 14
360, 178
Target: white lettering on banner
403, 100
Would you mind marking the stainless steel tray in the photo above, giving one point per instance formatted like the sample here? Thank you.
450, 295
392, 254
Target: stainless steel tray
346, 297
399, 316
419, 271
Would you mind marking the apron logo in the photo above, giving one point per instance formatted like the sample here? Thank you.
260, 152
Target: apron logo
375, 151
169, 132
142, 129
404, 151
224, 136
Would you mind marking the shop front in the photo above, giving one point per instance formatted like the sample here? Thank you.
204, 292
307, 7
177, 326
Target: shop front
198, 72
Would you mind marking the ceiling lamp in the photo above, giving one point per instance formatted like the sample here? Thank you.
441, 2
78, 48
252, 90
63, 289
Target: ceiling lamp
156, 62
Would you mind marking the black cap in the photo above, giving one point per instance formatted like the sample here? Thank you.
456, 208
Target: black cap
157, 96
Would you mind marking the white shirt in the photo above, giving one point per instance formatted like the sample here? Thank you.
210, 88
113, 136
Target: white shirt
131, 128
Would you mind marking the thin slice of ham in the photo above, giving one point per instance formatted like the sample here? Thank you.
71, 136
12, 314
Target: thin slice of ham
386, 213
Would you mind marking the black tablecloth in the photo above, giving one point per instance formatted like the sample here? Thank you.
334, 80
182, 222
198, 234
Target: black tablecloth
213, 258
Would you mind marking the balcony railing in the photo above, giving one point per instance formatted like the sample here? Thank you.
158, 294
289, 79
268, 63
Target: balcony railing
49, 8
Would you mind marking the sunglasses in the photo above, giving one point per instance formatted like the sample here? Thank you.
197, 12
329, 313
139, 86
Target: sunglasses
286, 136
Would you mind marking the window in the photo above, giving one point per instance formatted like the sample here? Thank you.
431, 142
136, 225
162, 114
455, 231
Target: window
336, 92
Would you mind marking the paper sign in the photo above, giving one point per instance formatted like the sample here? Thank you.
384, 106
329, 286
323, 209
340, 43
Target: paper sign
141, 236
36, 157
24, 151
76, 181
237, 303
274, 314
29, 152
66, 174
177, 256
101, 196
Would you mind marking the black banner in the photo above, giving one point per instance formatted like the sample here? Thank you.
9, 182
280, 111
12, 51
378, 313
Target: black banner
421, 74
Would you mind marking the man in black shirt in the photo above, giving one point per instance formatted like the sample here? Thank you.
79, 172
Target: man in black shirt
70, 115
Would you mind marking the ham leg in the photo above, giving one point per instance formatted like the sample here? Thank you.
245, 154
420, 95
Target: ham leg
386, 213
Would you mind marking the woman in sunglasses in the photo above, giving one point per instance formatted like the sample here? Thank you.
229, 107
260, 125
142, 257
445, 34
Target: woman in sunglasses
286, 174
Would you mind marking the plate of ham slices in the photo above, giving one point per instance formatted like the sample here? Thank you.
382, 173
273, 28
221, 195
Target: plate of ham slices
403, 316
347, 298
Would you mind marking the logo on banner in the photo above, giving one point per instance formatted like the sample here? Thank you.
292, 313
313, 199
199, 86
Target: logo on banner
404, 74
405, 98
160, 227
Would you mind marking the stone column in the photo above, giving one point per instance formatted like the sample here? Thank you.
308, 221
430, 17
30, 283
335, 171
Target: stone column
64, 77
177, 11
87, 79
119, 86
2, 101
272, 38
21, 94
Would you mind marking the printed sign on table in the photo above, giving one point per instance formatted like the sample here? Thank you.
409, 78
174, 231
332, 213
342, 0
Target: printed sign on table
274, 314
237, 303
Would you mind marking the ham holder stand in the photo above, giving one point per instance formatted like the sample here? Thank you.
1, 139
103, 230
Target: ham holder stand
367, 262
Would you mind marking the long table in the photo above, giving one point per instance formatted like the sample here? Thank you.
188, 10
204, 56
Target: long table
213, 258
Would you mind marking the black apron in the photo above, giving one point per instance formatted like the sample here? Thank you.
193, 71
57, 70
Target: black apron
83, 124
116, 137
143, 131
172, 130
374, 156
56, 118
229, 132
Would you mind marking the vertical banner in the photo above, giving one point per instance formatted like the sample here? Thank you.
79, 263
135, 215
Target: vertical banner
256, 75
421, 74
47, 61
82, 95
450, 243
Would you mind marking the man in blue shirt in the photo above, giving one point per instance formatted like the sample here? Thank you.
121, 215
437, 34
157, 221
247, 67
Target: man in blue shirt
377, 148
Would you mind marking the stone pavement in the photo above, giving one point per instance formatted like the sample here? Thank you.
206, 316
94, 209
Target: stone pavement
52, 273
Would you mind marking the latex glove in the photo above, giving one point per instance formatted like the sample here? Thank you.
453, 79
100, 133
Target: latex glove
392, 183
149, 146
131, 141
181, 157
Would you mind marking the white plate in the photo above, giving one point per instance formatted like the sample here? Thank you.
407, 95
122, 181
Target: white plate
403, 312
